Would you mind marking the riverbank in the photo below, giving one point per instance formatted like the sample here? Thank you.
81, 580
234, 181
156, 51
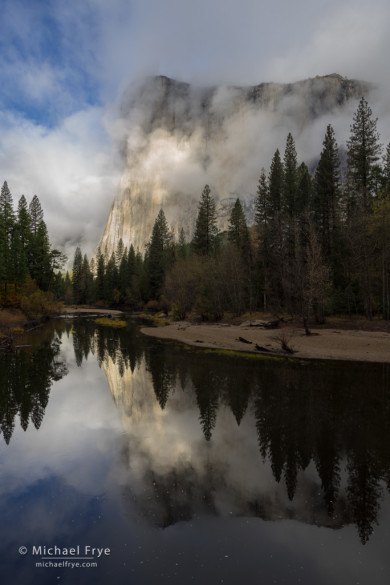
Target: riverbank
333, 344
75, 311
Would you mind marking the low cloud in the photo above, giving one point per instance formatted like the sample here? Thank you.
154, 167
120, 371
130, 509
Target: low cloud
63, 69
71, 168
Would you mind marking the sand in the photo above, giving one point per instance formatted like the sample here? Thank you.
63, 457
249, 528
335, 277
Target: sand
370, 346
86, 311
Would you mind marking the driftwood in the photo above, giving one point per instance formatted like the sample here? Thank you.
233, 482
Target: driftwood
261, 348
244, 340
273, 324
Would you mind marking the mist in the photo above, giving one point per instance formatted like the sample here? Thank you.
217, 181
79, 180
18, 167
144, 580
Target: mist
173, 138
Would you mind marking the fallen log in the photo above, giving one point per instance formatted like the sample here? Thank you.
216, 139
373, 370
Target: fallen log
261, 348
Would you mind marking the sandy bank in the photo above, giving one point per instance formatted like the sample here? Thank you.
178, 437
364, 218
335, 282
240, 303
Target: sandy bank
84, 311
371, 346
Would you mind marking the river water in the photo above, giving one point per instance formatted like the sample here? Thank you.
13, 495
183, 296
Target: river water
147, 463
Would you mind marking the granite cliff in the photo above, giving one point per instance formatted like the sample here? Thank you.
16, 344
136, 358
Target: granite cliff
174, 138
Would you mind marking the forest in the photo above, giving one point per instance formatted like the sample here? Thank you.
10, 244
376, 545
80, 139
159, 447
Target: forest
319, 245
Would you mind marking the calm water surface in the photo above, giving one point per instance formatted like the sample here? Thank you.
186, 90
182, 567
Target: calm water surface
190, 467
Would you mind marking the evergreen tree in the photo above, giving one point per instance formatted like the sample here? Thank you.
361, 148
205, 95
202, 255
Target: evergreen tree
290, 176
86, 281
326, 199
119, 252
36, 214
111, 281
7, 224
100, 274
206, 231
24, 222
159, 253
182, 247
238, 232
77, 277
304, 190
263, 209
131, 261
263, 223
303, 203
123, 275
275, 182
273, 255
130, 277
363, 152
40, 265
289, 194
18, 257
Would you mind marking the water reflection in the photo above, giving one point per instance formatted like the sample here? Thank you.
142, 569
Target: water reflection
25, 381
322, 431
209, 435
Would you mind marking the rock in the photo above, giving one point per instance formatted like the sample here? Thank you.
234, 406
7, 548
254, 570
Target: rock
177, 137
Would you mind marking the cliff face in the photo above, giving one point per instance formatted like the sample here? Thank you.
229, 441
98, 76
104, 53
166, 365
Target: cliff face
175, 138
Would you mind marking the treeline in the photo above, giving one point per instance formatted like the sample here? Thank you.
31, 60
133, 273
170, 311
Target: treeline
320, 243
28, 264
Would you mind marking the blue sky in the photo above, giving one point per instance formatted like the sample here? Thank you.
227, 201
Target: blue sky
65, 63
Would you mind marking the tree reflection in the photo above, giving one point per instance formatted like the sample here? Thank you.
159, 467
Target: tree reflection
25, 381
328, 414
329, 421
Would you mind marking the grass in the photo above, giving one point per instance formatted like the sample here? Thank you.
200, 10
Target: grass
11, 322
117, 323
243, 354
154, 320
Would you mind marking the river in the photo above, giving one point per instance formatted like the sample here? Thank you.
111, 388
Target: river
128, 460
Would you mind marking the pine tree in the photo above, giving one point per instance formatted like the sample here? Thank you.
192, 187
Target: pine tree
304, 190
182, 247
18, 257
100, 276
119, 252
275, 182
289, 216
303, 202
363, 151
131, 261
290, 176
263, 211
123, 276
111, 283
272, 254
206, 231
159, 253
40, 262
7, 224
36, 214
263, 223
77, 277
24, 222
238, 232
326, 201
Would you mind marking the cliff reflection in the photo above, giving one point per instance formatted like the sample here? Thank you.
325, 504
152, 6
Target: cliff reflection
26, 378
223, 435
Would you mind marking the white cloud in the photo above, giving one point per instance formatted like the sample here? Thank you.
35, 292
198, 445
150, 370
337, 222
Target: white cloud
71, 169
58, 59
